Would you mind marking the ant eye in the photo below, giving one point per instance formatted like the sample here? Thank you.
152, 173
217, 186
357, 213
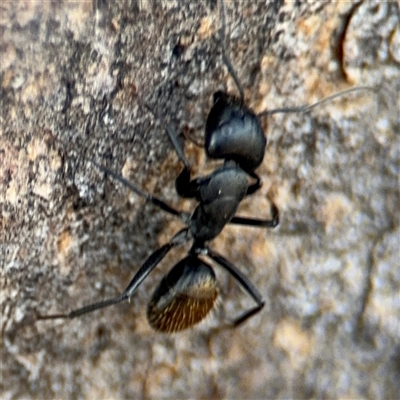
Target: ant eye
183, 297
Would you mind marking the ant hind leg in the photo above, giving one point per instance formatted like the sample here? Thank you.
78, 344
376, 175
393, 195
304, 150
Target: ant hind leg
152, 261
244, 282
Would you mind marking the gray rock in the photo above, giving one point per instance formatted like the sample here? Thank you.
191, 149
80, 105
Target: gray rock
73, 76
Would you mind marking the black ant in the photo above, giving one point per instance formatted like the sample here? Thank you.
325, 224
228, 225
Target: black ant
186, 295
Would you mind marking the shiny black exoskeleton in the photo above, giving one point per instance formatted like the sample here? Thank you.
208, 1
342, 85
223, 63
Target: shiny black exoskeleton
233, 132
188, 292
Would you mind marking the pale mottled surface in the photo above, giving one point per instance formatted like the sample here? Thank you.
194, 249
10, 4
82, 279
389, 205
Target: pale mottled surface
329, 274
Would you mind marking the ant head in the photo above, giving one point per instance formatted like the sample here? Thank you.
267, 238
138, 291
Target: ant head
233, 132
184, 296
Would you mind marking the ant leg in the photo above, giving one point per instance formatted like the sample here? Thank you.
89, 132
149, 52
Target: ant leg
192, 139
184, 186
259, 223
172, 137
243, 282
152, 261
157, 202
255, 186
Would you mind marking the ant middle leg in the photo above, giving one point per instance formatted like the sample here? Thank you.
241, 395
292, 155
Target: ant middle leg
259, 223
152, 199
255, 186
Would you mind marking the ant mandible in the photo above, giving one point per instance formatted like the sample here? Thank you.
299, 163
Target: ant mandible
186, 295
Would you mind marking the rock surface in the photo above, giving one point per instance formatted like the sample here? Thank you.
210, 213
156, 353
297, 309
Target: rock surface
73, 76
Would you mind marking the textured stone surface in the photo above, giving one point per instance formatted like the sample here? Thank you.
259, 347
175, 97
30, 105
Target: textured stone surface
74, 72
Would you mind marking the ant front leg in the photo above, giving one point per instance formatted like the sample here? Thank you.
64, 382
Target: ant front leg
184, 186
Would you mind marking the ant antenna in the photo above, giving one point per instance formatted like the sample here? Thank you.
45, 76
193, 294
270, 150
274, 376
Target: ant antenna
307, 108
225, 58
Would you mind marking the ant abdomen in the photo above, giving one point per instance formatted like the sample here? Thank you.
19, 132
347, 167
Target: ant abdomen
184, 296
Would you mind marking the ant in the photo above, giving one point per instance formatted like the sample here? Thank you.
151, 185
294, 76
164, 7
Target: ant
233, 133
